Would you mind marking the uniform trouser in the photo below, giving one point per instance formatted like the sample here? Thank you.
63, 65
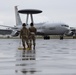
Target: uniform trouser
24, 42
32, 40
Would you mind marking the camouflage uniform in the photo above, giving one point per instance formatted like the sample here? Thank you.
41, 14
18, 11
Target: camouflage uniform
32, 35
24, 36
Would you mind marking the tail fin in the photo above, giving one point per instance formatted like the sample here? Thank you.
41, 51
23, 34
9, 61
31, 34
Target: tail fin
18, 19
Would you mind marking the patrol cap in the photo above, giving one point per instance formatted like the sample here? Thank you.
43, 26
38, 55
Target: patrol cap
31, 24
23, 24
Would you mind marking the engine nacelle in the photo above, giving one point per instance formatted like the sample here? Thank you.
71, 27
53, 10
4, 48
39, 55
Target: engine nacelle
70, 33
15, 33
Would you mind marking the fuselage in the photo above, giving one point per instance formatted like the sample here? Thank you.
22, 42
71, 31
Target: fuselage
46, 28
52, 29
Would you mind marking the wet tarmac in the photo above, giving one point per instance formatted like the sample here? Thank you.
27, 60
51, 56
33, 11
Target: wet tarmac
51, 57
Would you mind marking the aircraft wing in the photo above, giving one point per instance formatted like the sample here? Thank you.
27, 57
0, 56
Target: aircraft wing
10, 27
6, 26
39, 32
5, 32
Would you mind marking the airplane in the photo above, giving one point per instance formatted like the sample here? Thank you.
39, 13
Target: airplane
45, 29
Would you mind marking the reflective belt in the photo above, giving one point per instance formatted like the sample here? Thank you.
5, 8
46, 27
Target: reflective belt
32, 33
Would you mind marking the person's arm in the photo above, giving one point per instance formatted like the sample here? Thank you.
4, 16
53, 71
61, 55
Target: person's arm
20, 34
35, 30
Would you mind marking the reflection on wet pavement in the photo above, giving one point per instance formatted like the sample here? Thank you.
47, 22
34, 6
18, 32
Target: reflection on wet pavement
27, 61
51, 57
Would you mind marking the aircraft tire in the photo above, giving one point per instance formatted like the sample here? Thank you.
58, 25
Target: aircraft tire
46, 37
61, 37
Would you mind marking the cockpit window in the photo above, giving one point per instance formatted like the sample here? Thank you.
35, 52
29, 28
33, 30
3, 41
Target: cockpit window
65, 25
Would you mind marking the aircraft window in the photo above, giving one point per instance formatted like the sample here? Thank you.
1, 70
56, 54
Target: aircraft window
65, 25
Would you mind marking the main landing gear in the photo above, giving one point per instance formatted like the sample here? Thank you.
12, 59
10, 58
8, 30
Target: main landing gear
61, 37
46, 37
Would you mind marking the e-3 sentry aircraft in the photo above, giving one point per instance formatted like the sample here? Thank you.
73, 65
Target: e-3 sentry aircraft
45, 29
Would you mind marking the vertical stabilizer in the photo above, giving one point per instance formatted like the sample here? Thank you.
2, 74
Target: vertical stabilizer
18, 19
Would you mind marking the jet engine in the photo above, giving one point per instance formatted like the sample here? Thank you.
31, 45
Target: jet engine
71, 32
15, 33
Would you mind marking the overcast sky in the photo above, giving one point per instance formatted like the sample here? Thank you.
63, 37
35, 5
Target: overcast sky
63, 11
